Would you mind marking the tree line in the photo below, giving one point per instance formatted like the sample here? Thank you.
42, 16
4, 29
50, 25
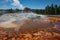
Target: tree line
49, 10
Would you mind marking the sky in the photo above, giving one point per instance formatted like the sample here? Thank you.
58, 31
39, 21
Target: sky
21, 4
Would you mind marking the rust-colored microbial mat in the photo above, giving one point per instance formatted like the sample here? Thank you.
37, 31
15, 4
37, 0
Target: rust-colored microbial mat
32, 29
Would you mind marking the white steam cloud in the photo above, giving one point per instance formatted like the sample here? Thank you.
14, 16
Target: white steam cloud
17, 4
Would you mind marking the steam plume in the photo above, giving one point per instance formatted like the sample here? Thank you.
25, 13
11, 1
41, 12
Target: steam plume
17, 4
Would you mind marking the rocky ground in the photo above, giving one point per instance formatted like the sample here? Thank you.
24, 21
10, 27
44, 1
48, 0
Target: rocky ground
41, 35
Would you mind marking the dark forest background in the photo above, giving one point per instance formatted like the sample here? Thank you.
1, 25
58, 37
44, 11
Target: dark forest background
49, 10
